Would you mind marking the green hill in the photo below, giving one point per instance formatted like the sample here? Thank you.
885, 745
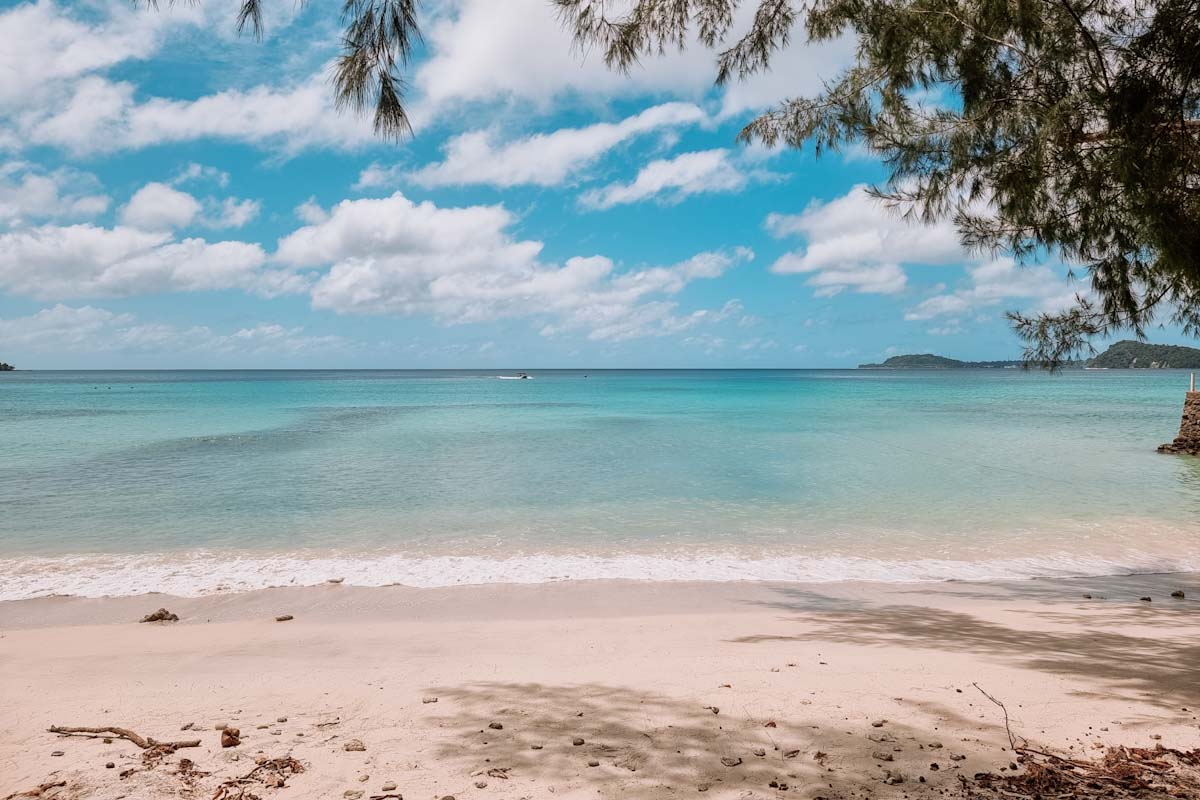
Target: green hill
1141, 355
930, 361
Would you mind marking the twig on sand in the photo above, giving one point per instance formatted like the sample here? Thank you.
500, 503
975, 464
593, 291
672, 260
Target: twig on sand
144, 742
38, 791
1012, 741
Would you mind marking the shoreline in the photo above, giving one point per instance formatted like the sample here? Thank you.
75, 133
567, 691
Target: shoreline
633, 668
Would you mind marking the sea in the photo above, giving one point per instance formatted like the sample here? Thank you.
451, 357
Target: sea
191, 482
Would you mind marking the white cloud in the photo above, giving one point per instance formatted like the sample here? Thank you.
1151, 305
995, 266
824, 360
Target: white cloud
201, 172
28, 192
52, 262
670, 180
518, 51
854, 242
542, 159
394, 256
310, 211
994, 282
158, 207
231, 213
89, 329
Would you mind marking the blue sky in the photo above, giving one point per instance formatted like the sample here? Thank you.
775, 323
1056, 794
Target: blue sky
172, 195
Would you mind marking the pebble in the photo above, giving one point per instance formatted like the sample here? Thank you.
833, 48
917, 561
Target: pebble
878, 723
388, 787
58, 753
231, 737
1145, 599
352, 794
335, 580
730, 761
428, 700
577, 741
281, 719
759, 751
957, 757
284, 618
593, 763
480, 784
107, 740
535, 747
1178, 594
893, 778
220, 726
935, 745
496, 726
354, 746
110, 765
934, 767
881, 756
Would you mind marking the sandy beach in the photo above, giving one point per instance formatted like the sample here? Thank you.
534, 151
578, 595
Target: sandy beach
736, 690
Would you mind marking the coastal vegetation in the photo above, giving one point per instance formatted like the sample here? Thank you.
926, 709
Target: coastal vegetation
931, 361
6, 367
1122, 355
1143, 355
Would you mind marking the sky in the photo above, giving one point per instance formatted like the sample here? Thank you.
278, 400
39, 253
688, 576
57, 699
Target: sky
173, 195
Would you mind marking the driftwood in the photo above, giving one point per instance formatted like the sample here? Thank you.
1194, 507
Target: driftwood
38, 791
146, 743
271, 773
1133, 772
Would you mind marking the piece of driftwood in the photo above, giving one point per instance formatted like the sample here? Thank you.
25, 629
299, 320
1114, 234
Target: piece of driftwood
272, 772
144, 742
38, 791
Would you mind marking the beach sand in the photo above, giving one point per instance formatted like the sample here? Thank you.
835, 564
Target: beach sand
674, 688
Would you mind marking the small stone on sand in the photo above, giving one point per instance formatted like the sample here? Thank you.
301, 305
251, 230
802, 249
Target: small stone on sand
480, 784
388, 787
58, 753
335, 580
284, 618
1178, 594
759, 751
352, 794
1145, 599
535, 747
496, 726
162, 615
281, 719
881, 756
428, 700
593, 763
878, 723
231, 737
354, 746
110, 765
731, 761
577, 741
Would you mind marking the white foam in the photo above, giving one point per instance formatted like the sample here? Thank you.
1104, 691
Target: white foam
200, 573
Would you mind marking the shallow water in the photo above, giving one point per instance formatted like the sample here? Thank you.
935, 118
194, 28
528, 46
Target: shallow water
113, 483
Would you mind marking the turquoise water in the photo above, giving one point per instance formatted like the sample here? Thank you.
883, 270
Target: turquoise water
119, 482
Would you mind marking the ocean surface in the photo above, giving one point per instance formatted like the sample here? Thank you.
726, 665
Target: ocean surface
195, 482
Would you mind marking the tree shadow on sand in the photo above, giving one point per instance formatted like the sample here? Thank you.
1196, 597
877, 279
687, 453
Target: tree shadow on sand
1161, 668
647, 745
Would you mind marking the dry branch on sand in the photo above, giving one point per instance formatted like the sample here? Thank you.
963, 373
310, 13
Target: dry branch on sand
38, 791
153, 747
1134, 772
272, 772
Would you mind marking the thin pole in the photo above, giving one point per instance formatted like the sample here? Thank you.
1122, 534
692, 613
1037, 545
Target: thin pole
1193, 382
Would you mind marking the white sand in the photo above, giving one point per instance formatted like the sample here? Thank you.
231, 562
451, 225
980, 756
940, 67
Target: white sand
629, 667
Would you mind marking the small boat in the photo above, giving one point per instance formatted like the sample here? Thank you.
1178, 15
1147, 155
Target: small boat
520, 376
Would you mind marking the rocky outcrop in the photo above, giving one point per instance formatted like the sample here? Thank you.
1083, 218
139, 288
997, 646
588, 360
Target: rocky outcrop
1188, 440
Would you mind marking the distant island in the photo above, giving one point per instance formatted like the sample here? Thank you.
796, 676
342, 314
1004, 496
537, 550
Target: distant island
6, 367
1122, 355
930, 361
1141, 355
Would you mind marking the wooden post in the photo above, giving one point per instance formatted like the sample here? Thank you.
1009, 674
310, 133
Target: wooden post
1193, 382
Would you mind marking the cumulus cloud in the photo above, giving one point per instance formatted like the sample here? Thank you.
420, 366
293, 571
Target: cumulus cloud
28, 192
158, 207
853, 242
59, 262
541, 159
671, 180
519, 52
994, 282
394, 256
